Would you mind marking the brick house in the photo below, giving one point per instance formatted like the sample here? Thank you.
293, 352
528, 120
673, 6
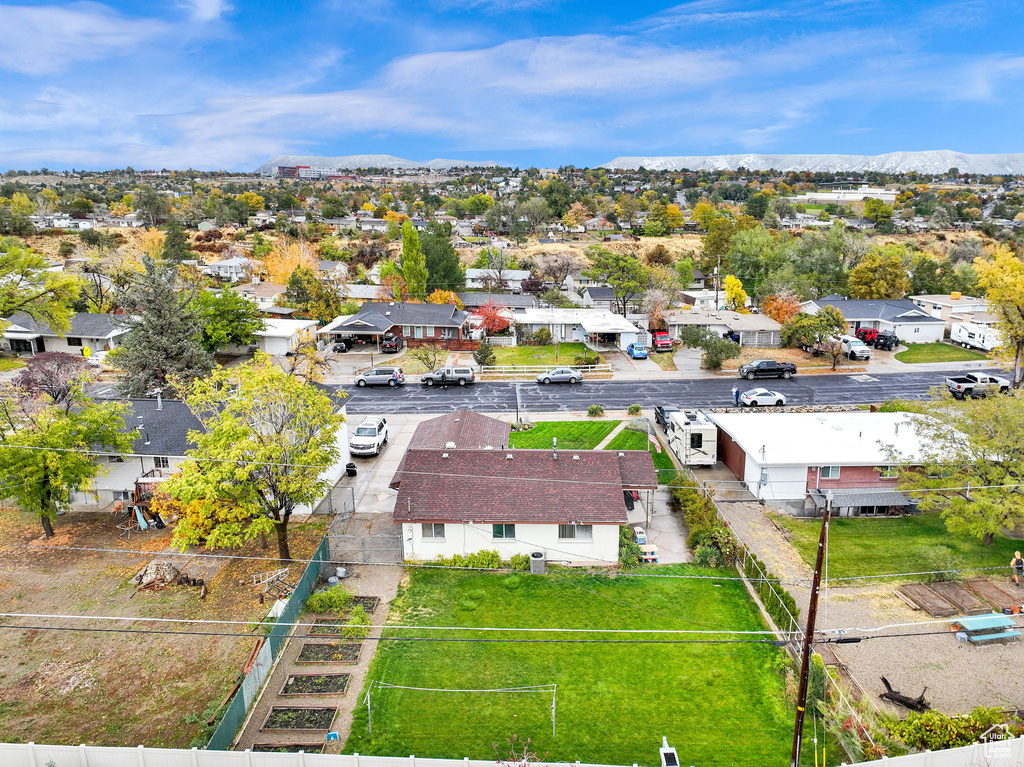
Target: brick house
471, 492
418, 324
791, 460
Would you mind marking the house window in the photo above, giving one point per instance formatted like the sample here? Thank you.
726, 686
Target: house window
917, 330
122, 495
115, 459
506, 532
430, 331
407, 330
575, 532
73, 341
162, 462
433, 530
888, 472
829, 472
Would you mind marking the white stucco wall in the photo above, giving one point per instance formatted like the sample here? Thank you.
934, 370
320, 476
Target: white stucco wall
783, 482
470, 538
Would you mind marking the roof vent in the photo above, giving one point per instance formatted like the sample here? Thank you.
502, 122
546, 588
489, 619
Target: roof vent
387, 314
622, 455
575, 457
444, 455
554, 448
489, 447
392, 303
508, 456
449, 445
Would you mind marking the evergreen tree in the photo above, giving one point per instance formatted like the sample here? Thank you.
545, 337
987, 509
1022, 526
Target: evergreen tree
176, 245
164, 338
414, 264
444, 272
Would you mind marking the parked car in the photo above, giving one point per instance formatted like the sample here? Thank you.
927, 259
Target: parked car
560, 375
340, 348
451, 375
976, 385
662, 414
767, 369
886, 340
381, 377
867, 335
637, 351
661, 341
761, 396
392, 344
370, 436
854, 348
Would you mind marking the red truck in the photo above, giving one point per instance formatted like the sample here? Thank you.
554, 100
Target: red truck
661, 342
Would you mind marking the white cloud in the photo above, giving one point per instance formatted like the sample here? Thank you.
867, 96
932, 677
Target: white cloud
206, 10
46, 39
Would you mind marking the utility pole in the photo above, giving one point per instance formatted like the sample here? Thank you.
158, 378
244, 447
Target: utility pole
812, 614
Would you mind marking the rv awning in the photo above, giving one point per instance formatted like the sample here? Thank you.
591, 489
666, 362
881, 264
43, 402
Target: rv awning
845, 498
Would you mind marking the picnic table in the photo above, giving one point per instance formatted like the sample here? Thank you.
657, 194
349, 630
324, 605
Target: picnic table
649, 553
982, 629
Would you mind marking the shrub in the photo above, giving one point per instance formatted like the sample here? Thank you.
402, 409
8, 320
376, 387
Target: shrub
542, 336
629, 549
336, 599
487, 559
66, 248
358, 624
706, 556
934, 730
519, 562
595, 411
634, 410
484, 355
583, 360
764, 586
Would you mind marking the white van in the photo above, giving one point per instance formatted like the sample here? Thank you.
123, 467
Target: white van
854, 348
969, 335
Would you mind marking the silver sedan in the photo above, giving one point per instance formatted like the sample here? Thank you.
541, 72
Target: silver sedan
560, 375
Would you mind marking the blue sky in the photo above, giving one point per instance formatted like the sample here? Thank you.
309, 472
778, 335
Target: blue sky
230, 83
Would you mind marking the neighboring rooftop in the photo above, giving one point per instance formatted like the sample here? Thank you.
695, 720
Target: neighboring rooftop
733, 320
83, 324
591, 320
890, 310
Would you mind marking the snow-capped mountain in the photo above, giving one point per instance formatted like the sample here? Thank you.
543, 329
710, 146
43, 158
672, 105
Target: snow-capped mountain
933, 162
354, 161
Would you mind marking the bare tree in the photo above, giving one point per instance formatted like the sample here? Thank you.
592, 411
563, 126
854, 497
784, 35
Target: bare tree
560, 265
57, 375
431, 355
499, 262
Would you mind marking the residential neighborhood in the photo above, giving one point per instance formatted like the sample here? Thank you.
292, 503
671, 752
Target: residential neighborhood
515, 384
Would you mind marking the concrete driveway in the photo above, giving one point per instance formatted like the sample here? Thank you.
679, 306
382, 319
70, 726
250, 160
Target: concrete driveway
665, 528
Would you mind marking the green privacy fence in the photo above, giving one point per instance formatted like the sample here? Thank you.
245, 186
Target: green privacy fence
247, 693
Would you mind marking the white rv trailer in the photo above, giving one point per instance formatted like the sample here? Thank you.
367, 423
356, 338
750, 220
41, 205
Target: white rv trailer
693, 437
969, 335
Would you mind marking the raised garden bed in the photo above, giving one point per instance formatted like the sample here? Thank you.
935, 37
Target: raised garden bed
326, 627
290, 748
340, 652
369, 603
295, 718
315, 684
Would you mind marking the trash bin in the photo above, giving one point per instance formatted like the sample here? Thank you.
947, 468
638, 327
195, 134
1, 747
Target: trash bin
351, 469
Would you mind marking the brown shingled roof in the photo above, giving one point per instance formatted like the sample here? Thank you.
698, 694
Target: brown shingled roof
465, 428
582, 486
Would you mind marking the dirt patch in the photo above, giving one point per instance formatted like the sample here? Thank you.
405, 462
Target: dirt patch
326, 627
293, 718
290, 748
369, 603
335, 652
315, 684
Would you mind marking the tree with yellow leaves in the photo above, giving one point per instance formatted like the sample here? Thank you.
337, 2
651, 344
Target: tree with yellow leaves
445, 297
252, 200
285, 256
1001, 276
704, 213
735, 295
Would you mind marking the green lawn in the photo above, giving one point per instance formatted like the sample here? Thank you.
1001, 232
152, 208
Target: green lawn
894, 545
572, 435
718, 704
10, 363
538, 355
634, 440
939, 352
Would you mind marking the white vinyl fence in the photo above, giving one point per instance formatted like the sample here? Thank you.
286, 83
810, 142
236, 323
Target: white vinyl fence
34, 755
1006, 753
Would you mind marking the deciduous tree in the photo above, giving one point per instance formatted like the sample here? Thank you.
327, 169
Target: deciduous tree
267, 440
494, 318
445, 297
1002, 279
56, 375
881, 274
782, 307
27, 285
228, 319
624, 272
430, 355
735, 295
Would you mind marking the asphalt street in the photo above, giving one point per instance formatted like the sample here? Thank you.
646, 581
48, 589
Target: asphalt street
840, 389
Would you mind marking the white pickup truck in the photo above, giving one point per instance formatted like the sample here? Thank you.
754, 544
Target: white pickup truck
976, 385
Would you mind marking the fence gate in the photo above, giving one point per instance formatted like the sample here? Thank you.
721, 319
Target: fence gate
373, 539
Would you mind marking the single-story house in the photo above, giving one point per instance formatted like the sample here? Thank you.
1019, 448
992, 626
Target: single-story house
161, 438
279, 337
233, 269
791, 460
565, 504
593, 325
482, 279
598, 224
416, 323
359, 294
99, 333
705, 299
909, 321
946, 307
264, 294
578, 281
333, 272
755, 330
600, 297
514, 301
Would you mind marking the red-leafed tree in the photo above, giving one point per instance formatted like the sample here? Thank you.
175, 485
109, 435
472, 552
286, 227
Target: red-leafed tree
493, 318
781, 307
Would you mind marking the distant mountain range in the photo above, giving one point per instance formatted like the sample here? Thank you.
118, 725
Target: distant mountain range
355, 161
935, 162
